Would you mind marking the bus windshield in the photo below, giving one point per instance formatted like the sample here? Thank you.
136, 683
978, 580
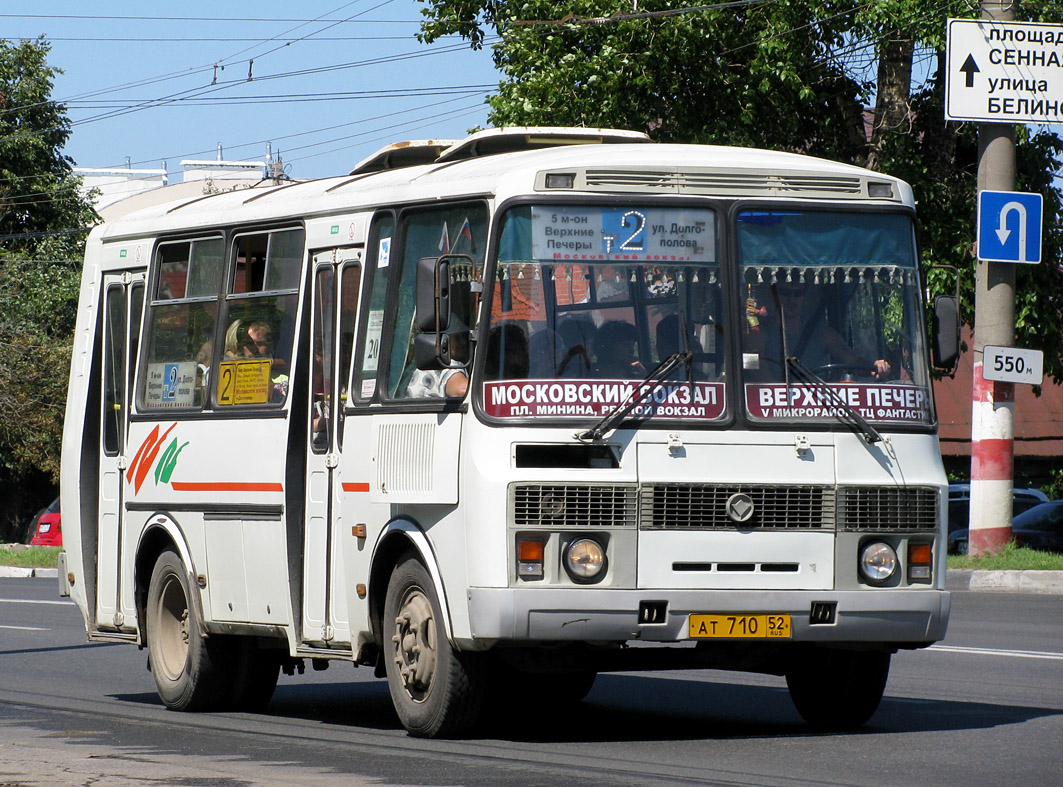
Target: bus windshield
834, 294
589, 299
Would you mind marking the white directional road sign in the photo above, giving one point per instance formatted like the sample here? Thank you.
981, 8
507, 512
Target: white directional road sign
1004, 72
1009, 226
1013, 365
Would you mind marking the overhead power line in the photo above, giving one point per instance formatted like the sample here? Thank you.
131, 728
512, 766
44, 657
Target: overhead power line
201, 39
276, 98
237, 19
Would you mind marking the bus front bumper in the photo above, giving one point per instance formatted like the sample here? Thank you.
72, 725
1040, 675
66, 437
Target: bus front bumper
555, 615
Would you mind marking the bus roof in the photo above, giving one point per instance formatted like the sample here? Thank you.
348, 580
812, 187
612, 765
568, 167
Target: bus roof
602, 169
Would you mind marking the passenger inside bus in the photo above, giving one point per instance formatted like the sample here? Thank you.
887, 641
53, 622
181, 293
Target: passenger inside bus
616, 355
257, 340
507, 353
545, 350
437, 383
577, 336
253, 340
808, 338
669, 340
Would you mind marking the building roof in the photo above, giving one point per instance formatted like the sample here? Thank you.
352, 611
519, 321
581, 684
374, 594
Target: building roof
1038, 419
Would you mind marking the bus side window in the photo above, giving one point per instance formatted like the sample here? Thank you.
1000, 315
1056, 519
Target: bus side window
350, 283
454, 230
258, 314
182, 311
378, 267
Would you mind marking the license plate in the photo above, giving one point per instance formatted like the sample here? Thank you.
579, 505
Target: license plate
739, 627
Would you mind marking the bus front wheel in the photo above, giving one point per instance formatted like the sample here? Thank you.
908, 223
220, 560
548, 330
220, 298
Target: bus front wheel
838, 689
436, 691
188, 668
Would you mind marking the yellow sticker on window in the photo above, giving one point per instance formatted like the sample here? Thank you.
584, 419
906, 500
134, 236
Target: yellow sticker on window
244, 382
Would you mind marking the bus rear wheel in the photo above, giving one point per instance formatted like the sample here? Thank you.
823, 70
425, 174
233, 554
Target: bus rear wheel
838, 689
436, 691
189, 670
254, 675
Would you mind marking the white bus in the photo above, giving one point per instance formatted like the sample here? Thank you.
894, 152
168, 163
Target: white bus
504, 414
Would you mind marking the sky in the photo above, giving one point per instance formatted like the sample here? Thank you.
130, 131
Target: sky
331, 81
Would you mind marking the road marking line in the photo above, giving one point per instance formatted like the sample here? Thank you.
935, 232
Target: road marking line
31, 601
24, 628
1015, 654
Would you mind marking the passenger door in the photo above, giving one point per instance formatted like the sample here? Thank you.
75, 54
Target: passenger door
123, 304
334, 306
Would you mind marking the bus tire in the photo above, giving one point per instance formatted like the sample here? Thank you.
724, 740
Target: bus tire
838, 689
566, 688
551, 689
254, 675
437, 692
189, 670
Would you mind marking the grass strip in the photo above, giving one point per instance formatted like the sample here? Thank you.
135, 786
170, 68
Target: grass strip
1011, 558
29, 557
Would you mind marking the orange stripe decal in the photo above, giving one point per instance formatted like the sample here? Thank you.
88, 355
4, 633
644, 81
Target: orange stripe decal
352, 487
224, 486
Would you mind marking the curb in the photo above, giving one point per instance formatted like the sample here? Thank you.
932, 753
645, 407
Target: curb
1049, 582
15, 571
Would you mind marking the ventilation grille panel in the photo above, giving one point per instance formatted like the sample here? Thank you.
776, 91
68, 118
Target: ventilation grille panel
887, 508
704, 506
405, 454
573, 505
730, 183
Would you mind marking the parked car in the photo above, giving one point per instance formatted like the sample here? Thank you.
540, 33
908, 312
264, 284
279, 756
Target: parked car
49, 531
1040, 527
1022, 499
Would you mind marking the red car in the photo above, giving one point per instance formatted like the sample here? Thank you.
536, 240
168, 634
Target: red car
49, 528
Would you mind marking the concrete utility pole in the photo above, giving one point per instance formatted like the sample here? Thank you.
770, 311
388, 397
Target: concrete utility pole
993, 405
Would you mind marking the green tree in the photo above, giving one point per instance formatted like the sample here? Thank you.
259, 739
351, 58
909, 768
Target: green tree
848, 80
43, 219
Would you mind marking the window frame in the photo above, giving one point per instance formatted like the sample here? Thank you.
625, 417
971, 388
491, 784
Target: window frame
227, 297
151, 302
396, 259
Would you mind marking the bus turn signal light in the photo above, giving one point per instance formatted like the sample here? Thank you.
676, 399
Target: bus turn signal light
530, 558
920, 557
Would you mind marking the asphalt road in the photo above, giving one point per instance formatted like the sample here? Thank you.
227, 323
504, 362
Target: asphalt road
983, 708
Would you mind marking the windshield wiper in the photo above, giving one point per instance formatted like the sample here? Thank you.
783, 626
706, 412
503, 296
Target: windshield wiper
656, 378
809, 377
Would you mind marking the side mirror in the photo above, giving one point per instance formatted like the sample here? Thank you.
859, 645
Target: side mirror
441, 342
945, 333
433, 294
441, 350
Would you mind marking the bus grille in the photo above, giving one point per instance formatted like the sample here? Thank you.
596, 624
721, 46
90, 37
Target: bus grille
887, 508
704, 506
573, 505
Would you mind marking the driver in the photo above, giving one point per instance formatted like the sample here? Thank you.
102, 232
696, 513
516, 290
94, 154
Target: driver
808, 337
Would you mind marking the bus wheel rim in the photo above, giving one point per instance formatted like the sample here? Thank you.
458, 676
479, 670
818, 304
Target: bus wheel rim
173, 629
414, 642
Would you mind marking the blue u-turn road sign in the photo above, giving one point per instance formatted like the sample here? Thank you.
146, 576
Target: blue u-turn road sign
1009, 226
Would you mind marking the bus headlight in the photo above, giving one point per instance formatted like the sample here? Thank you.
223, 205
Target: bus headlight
585, 560
878, 562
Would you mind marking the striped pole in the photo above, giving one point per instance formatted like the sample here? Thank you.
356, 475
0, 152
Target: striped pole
992, 464
993, 403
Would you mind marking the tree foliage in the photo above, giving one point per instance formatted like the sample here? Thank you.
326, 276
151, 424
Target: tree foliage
43, 218
843, 79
